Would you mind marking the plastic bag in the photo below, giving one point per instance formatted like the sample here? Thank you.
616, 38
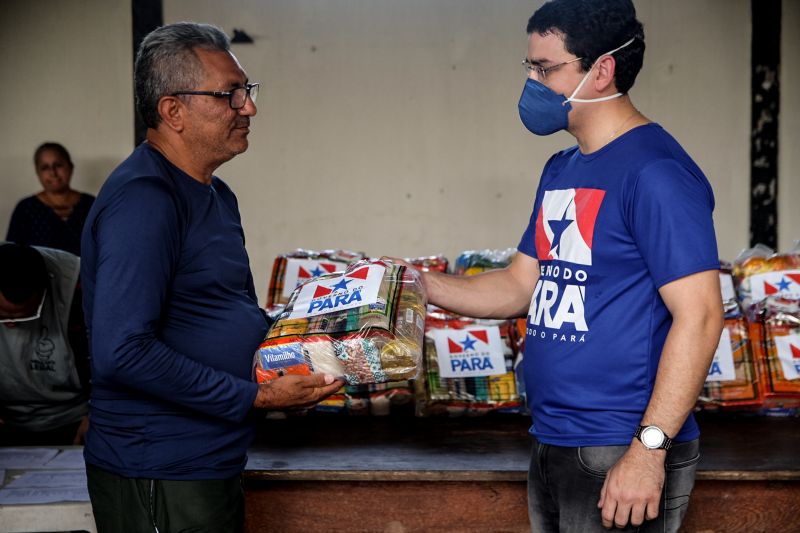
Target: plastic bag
292, 269
469, 366
775, 334
431, 263
476, 261
760, 273
732, 380
365, 325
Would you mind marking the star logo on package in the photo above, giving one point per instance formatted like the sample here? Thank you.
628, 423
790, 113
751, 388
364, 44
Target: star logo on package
338, 293
783, 282
468, 342
788, 348
318, 270
298, 271
565, 224
471, 352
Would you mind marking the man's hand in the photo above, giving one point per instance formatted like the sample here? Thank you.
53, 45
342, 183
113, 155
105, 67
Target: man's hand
80, 433
295, 391
632, 489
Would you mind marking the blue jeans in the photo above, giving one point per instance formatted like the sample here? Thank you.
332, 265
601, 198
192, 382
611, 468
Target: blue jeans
564, 486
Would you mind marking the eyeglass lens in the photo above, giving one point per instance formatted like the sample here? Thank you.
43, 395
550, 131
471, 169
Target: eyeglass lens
239, 95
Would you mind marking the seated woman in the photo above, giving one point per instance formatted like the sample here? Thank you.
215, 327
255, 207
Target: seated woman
55, 216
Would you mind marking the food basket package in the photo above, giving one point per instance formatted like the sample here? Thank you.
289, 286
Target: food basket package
732, 380
430, 263
759, 273
473, 262
292, 269
469, 366
775, 335
364, 324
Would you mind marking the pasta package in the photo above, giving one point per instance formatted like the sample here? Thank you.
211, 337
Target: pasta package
364, 324
292, 269
469, 366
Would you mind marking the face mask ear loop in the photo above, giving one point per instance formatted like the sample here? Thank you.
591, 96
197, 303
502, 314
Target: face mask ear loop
578, 88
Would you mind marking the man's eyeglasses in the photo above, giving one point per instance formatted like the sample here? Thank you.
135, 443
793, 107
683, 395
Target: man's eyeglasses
541, 72
236, 97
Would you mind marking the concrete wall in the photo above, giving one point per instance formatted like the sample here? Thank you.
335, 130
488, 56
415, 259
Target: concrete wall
789, 128
385, 126
66, 71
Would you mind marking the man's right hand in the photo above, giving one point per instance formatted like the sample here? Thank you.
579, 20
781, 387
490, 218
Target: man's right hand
296, 391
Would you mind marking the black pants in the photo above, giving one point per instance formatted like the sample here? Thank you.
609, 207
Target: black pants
136, 505
564, 486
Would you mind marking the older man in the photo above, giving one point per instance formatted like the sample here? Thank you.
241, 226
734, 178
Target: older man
170, 304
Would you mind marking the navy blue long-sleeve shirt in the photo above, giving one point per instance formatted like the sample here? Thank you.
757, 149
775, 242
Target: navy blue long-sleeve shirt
173, 324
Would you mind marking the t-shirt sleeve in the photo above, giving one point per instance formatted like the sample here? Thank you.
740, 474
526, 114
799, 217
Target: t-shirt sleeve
671, 221
138, 242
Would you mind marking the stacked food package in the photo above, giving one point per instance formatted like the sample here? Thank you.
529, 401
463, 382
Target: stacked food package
469, 363
476, 261
364, 324
468, 366
292, 269
732, 380
768, 287
430, 263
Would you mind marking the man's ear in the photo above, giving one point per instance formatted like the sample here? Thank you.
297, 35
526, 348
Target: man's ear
172, 112
606, 69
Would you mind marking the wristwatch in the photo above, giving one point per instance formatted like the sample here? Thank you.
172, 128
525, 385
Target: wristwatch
653, 438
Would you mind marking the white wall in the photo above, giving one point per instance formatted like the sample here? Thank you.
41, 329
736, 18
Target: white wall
388, 126
66, 71
392, 126
789, 128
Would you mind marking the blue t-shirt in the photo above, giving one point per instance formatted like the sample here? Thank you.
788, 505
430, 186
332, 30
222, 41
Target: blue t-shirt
609, 229
173, 324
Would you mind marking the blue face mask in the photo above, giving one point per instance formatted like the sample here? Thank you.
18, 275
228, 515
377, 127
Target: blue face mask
543, 111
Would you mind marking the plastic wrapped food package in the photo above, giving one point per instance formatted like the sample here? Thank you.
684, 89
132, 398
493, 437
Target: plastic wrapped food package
476, 261
292, 269
732, 380
431, 263
775, 334
468, 367
365, 324
759, 273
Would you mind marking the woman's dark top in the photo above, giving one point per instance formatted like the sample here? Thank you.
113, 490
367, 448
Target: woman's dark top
35, 224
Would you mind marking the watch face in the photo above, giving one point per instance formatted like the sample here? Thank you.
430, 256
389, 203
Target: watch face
652, 437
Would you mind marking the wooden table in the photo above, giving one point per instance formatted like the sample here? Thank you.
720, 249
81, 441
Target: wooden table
404, 474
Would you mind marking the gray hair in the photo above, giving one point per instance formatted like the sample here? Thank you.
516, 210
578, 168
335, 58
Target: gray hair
166, 63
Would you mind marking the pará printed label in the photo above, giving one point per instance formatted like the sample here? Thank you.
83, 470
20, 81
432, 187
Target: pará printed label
469, 352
